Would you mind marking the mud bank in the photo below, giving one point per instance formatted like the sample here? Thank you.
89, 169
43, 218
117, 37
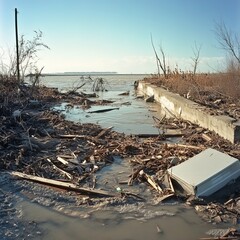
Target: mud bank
225, 126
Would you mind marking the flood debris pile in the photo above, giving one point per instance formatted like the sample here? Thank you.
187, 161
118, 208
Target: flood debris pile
38, 144
230, 233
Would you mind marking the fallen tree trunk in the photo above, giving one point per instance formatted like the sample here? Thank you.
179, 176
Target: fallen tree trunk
63, 185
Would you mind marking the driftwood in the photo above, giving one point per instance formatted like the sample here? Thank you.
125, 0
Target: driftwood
33, 142
206, 137
185, 146
170, 183
60, 170
103, 110
63, 185
166, 197
166, 134
67, 163
151, 181
124, 93
103, 132
89, 138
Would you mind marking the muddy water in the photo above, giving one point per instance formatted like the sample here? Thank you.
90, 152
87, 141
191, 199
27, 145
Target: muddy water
174, 222
59, 216
52, 214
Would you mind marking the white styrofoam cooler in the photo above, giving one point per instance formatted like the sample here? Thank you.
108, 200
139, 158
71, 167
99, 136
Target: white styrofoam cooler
206, 172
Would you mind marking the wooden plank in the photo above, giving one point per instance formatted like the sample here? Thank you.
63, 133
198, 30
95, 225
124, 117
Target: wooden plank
64, 185
151, 181
185, 146
170, 183
165, 197
103, 132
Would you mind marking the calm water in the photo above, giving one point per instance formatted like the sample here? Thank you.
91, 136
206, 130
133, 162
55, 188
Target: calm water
178, 222
134, 115
115, 82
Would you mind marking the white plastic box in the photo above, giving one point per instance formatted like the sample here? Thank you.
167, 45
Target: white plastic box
206, 172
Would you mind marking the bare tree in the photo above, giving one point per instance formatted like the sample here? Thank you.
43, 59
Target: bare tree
196, 52
228, 40
35, 79
161, 63
28, 58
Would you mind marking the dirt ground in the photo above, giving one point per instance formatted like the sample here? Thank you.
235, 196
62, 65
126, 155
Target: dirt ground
38, 142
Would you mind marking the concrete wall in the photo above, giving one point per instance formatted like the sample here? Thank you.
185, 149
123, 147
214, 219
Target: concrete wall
225, 126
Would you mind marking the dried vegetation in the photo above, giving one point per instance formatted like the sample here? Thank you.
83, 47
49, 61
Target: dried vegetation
220, 92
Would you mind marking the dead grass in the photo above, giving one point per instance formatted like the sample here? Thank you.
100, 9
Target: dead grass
219, 92
198, 86
8, 87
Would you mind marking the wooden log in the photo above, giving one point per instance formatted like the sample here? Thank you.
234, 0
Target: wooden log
124, 93
103, 110
63, 185
133, 195
166, 134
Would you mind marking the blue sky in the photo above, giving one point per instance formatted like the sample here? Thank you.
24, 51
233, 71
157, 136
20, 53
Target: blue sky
114, 35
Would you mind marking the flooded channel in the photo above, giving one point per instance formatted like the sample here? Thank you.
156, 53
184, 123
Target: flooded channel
60, 216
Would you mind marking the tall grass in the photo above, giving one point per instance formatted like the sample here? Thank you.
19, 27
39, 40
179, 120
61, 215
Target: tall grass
196, 86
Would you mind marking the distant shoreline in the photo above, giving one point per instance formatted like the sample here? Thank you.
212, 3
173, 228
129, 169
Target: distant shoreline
89, 74
78, 73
